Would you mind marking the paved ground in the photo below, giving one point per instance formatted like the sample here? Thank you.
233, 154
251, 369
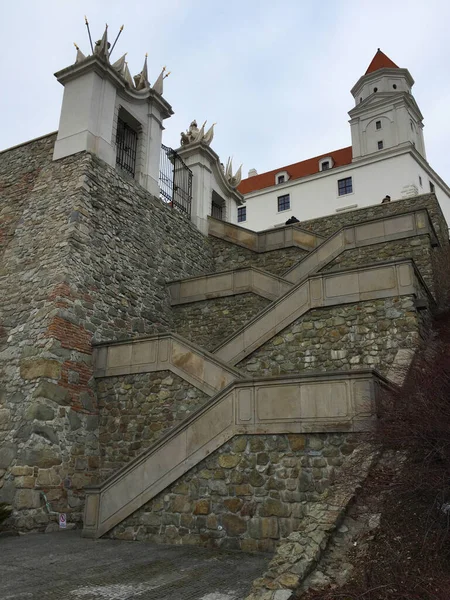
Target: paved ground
65, 566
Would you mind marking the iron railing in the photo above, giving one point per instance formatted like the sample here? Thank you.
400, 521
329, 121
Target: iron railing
126, 141
175, 181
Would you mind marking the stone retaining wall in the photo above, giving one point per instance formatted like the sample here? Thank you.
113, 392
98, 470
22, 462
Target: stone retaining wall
136, 409
87, 258
208, 322
252, 492
418, 248
361, 335
229, 256
328, 225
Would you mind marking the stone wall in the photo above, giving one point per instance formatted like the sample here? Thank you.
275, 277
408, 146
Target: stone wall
418, 248
252, 492
361, 335
228, 256
136, 409
87, 257
208, 322
328, 225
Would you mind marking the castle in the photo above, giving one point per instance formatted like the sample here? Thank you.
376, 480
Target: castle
169, 375
387, 157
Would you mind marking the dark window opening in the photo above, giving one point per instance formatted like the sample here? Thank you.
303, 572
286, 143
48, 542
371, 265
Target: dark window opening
380, 145
420, 180
325, 165
216, 210
242, 214
126, 142
378, 125
394, 86
284, 202
432, 187
375, 90
360, 100
280, 179
345, 186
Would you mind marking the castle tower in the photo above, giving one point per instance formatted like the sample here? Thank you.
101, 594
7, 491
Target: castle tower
385, 114
107, 112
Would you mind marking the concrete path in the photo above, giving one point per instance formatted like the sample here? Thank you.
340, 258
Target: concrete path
65, 566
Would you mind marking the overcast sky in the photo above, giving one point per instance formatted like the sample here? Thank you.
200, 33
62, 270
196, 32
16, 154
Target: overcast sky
274, 74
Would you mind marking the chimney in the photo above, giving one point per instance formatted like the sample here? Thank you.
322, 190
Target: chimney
252, 172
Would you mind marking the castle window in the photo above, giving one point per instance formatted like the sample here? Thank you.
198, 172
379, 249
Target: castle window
284, 202
126, 146
280, 179
431, 187
375, 90
420, 181
394, 86
325, 165
378, 125
242, 214
345, 186
411, 125
380, 145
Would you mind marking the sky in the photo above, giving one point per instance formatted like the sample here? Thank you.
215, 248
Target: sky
275, 75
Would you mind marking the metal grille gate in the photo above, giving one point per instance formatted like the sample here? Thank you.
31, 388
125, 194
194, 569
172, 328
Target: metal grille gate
126, 141
175, 181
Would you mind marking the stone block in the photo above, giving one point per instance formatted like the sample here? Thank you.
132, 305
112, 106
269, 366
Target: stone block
274, 507
243, 490
27, 499
44, 457
21, 471
5, 415
233, 504
27, 481
234, 525
47, 477
181, 504
263, 527
53, 392
229, 461
40, 412
40, 367
239, 444
8, 453
46, 432
74, 420
202, 507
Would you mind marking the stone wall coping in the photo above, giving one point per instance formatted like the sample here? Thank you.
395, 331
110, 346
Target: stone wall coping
343, 240
36, 139
228, 283
283, 237
162, 352
332, 402
313, 293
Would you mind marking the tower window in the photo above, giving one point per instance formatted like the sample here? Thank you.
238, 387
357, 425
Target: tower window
394, 86
411, 125
242, 214
420, 181
380, 145
375, 90
126, 142
431, 187
280, 179
378, 125
345, 186
360, 100
284, 202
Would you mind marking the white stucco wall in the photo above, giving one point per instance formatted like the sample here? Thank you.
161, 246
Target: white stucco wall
317, 195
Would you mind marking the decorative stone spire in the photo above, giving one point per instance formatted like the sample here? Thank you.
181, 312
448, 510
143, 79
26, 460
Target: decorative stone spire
141, 80
80, 55
119, 65
208, 137
233, 180
102, 46
127, 76
159, 83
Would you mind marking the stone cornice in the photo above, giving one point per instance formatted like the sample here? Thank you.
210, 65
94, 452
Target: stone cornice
96, 65
381, 72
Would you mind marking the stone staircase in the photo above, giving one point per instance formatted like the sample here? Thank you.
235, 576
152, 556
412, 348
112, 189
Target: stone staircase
327, 402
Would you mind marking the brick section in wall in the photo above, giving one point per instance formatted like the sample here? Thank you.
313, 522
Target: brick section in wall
418, 248
135, 410
361, 335
208, 322
249, 494
228, 256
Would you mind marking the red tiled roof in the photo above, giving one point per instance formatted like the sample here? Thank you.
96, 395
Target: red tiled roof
380, 61
296, 171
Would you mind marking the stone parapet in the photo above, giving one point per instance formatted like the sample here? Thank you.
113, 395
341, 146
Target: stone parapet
164, 352
228, 283
264, 241
343, 402
325, 289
